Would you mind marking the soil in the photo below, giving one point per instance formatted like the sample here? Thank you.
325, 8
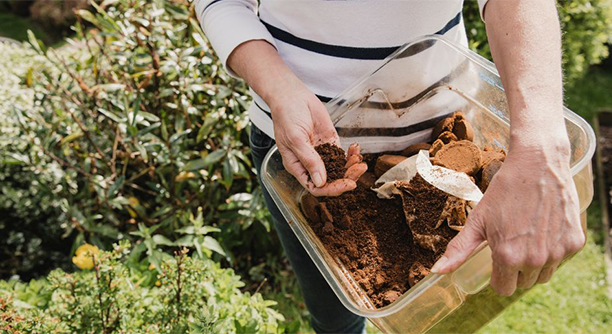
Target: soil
334, 159
389, 245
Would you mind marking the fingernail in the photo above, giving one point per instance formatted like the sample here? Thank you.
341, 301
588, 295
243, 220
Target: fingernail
439, 265
317, 179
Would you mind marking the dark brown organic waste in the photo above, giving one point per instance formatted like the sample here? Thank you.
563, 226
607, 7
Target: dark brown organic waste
334, 159
389, 246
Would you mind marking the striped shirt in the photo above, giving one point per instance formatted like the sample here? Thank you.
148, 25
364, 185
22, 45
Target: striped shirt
328, 44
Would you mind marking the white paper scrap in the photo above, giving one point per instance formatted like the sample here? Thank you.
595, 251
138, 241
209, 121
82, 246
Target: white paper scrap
404, 171
452, 182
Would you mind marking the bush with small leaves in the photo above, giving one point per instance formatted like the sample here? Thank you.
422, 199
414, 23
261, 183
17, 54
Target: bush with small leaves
183, 295
146, 128
30, 213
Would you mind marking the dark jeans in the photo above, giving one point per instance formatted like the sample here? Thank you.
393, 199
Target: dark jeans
328, 315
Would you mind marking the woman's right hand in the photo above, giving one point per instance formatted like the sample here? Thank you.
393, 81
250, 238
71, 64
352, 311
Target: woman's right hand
302, 122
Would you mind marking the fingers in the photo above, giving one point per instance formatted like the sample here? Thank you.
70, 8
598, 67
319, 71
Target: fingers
527, 278
333, 189
355, 171
293, 165
310, 160
547, 273
504, 279
352, 160
460, 248
354, 149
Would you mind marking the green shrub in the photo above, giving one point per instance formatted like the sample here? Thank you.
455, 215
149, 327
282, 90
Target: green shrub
30, 215
587, 28
186, 294
147, 128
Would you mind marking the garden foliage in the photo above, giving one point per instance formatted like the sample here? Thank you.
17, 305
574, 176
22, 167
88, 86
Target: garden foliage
185, 295
587, 28
148, 131
31, 222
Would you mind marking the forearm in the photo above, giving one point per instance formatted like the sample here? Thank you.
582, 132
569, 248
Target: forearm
525, 40
258, 63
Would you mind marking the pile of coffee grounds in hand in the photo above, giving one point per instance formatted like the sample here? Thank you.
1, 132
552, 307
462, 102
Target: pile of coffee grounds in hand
334, 159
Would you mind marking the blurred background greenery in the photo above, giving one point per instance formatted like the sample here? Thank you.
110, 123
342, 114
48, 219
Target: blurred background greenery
118, 124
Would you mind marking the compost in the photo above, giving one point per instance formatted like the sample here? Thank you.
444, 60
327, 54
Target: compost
389, 245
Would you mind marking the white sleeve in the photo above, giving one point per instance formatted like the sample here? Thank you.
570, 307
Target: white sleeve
229, 23
481, 5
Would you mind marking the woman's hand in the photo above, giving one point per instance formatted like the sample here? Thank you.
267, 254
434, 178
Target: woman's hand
301, 122
529, 216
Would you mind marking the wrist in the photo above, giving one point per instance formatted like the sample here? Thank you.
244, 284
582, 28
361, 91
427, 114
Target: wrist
283, 89
551, 147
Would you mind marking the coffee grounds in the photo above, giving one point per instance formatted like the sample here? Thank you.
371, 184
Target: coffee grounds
423, 206
386, 245
334, 159
371, 238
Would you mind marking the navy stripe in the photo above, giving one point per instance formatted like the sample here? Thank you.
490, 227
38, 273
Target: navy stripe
323, 99
345, 51
262, 109
390, 132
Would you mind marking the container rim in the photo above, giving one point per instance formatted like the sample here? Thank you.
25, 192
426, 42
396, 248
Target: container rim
416, 291
486, 65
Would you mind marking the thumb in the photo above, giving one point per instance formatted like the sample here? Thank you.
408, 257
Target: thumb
461, 247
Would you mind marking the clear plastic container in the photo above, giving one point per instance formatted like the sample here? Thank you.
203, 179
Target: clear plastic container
415, 87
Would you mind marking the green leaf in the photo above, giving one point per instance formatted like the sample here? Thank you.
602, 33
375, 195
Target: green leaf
148, 129
36, 44
186, 241
71, 137
212, 244
206, 161
111, 115
143, 151
88, 16
149, 117
199, 38
112, 191
228, 173
161, 240
113, 87
136, 110
178, 135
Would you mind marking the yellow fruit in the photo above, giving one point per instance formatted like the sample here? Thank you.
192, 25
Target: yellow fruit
87, 248
158, 283
85, 255
151, 266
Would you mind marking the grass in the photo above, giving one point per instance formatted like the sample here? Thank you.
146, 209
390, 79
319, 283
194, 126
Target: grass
575, 300
16, 27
